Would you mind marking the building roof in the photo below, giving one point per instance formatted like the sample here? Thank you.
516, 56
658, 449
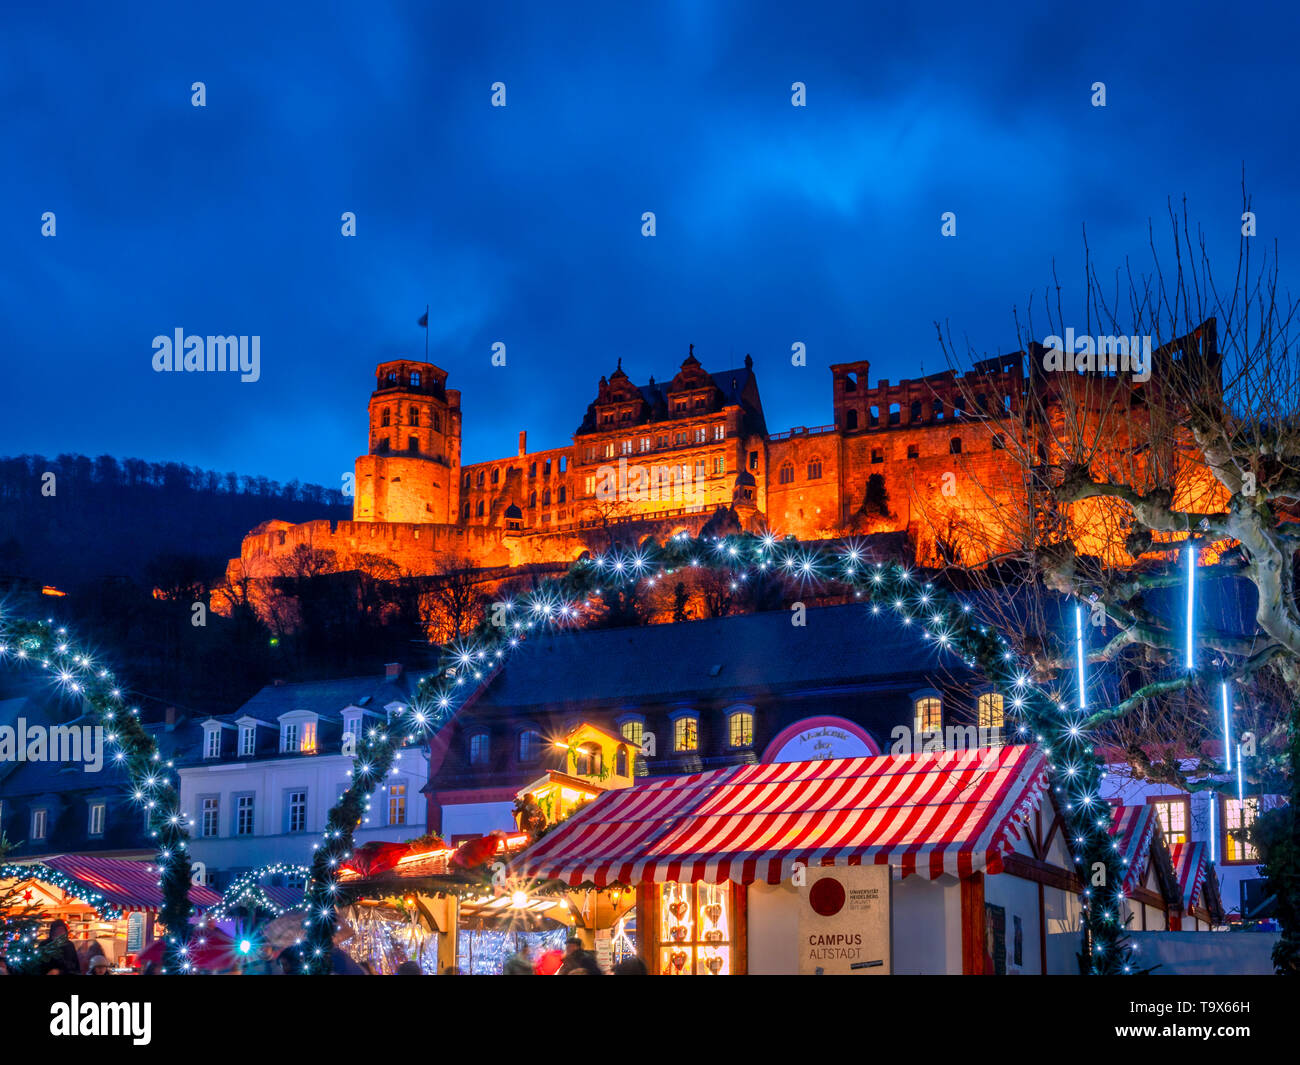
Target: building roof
325, 697
946, 812
1133, 829
742, 655
1190, 867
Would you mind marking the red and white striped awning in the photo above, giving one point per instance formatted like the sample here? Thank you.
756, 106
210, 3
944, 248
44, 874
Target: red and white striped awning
1131, 829
126, 884
954, 812
1190, 866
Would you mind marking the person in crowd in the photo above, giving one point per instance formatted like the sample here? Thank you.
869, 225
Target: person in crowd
451, 970
519, 963
630, 966
409, 968
584, 964
64, 960
572, 948
100, 966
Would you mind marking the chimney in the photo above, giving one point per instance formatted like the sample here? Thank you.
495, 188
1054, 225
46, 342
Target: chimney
392, 670
523, 441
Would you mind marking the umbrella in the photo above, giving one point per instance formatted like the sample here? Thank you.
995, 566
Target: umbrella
547, 962
216, 952
285, 930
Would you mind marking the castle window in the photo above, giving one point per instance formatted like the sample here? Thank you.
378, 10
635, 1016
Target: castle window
982, 402
700, 435
786, 476
480, 478
663, 441
875, 417
954, 446
563, 494
412, 443
564, 463
589, 485
386, 418
465, 511
913, 452
850, 382
699, 402
465, 483
700, 469
546, 497
546, 468
437, 422
681, 438
609, 450
532, 499
680, 405
590, 454
391, 379
877, 456
753, 460
895, 414
414, 415
646, 443
496, 476
851, 419
381, 445
719, 431
607, 419
415, 378
479, 509
719, 466
814, 469
914, 411
625, 447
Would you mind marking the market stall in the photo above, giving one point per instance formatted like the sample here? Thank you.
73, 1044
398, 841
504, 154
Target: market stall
109, 901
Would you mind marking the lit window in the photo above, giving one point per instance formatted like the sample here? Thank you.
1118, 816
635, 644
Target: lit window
609, 450
929, 714
701, 434
719, 431
478, 749
98, 812
990, 710
247, 737
686, 734
209, 821
308, 745
297, 811
244, 815
626, 447
397, 804
719, 465
741, 729
1172, 814
589, 485
646, 443
633, 731
1238, 816
212, 749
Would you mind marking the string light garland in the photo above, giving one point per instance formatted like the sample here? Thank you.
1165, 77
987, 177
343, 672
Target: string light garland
1075, 770
44, 645
246, 891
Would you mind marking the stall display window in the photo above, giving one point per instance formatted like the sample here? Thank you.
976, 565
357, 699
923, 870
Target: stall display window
695, 929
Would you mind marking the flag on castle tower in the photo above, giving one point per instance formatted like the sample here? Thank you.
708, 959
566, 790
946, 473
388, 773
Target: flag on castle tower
424, 319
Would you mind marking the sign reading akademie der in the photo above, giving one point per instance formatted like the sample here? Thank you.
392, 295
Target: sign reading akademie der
844, 921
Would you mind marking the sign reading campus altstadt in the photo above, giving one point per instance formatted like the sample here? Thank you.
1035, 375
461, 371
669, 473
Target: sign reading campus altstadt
844, 921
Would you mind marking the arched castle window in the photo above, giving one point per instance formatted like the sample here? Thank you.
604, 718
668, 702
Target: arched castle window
851, 419
496, 476
466, 484
479, 479
563, 493
875, 416
954, 446
546, 497
415, 378
814, 469
415, 416
386, 418
937, 409
465, 511
532, 499
787, 473
479, 510
437, 422
914, 412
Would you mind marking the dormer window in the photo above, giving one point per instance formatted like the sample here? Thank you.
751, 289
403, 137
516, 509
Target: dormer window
298, 736
308, 744
289, 737
212, 743
247, 740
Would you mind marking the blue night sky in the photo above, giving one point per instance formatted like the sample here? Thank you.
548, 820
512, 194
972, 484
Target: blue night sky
523, 225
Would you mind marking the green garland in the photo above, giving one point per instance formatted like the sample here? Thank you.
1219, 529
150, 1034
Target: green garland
41, 644
1075, 769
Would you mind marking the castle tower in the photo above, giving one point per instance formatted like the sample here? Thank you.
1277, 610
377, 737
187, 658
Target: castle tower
412, 470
